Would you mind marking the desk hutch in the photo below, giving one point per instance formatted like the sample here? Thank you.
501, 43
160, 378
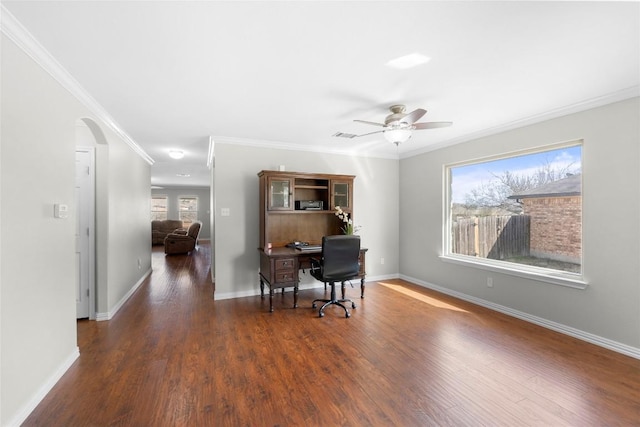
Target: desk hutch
281, 223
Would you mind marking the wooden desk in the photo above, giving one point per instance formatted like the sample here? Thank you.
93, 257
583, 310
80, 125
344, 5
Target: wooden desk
279, 269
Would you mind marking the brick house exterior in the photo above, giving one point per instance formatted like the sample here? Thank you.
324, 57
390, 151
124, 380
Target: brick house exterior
555, 210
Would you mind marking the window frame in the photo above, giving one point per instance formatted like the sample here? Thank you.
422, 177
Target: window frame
180, 211
548, 275
152, 211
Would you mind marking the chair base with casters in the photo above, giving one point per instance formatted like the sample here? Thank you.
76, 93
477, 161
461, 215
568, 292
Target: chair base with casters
333, 300
343, 288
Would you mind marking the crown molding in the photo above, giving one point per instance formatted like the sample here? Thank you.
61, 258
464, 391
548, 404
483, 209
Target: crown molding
588, 104
17, 33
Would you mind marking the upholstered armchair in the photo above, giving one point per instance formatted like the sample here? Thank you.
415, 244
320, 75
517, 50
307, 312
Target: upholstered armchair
160, 229
181, 242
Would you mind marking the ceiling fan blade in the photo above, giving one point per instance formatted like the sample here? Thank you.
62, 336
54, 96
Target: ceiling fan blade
413, 116
370, 123
432, 125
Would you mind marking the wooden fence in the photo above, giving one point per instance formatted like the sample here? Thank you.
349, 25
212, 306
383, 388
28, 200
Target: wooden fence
495, 237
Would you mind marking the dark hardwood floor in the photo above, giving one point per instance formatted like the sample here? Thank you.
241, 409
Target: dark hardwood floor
407, 356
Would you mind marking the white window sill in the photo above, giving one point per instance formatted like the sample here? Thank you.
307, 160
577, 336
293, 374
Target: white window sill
555, 277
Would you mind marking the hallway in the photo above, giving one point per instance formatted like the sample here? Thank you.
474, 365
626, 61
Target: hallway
124, 361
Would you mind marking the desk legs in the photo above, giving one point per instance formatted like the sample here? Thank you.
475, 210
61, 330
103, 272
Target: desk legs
295, 293
343, 286
270, 293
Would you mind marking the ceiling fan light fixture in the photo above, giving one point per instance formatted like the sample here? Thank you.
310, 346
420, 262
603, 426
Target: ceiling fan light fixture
176, 154
397, 135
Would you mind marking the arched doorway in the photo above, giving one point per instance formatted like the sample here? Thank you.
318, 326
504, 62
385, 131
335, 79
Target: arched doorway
88, 138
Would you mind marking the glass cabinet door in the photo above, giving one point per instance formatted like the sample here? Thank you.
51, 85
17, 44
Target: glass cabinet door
279, 193
340, 195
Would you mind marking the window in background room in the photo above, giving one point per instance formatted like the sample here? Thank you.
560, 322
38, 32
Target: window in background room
158, 208
187, 210
521, 211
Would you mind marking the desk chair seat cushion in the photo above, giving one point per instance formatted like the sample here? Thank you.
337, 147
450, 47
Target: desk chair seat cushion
339, 263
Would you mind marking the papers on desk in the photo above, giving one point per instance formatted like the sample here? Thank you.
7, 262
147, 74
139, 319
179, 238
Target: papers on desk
309, 248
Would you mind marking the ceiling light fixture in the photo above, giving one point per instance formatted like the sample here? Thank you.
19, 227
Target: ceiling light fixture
183, 175
176, 154
397, 135
408, 61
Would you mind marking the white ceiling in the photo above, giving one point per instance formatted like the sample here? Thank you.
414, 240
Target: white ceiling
291, 74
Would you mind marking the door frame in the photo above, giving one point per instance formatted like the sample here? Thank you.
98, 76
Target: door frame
91, 205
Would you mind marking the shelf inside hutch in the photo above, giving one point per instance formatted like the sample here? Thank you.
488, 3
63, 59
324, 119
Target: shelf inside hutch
312, 189
281, 192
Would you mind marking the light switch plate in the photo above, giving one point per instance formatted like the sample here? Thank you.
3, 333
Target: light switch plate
225, 212
60, 211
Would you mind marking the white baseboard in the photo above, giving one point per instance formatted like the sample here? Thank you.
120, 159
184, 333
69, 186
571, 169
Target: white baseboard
301, 287
55, 377
26, 410
109, 315
255, 292
384, 277
558, 327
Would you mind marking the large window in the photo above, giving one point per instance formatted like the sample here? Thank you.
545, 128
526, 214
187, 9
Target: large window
158, 208
520, 213
187, 210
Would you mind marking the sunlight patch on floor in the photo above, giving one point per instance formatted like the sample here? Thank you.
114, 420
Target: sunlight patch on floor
424, 298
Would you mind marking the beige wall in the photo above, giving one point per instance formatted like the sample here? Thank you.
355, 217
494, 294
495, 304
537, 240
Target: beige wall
236, 187
128, 236
37, 250
37, 258
609, 308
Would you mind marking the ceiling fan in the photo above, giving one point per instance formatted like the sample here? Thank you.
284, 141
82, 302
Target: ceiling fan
398, 125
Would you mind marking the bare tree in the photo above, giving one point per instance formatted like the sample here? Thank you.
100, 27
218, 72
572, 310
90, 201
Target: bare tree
495, 193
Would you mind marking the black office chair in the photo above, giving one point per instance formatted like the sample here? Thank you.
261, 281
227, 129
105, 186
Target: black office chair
339, 263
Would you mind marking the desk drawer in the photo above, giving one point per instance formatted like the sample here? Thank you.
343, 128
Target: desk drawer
284, 264
284, 276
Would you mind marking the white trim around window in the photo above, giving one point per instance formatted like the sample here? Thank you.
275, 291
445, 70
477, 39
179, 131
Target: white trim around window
480, 259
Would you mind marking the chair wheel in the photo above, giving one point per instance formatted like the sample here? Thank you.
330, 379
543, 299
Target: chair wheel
347, 315
314, 305
321, 314
353, 305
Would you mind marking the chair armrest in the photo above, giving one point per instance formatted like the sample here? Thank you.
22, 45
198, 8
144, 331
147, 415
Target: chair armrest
178, 237
182, 231
316, 264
